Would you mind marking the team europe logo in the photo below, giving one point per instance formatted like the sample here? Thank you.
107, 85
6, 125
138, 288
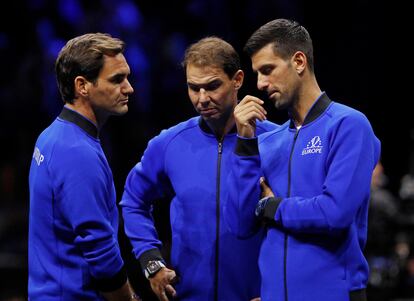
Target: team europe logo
38, 156
313, 147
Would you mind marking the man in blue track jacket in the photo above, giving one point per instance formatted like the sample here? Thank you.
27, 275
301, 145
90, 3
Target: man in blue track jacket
73, 224
318, 166
190, 164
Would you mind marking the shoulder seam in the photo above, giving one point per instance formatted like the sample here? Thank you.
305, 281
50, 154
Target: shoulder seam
187, 127
273, 132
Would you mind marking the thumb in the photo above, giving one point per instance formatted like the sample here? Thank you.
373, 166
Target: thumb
263, 184
266, 190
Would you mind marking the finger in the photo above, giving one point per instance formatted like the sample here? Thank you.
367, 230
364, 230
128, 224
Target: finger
247, 109
170, 290
256, 299
162, 295
251, 117
248, 106
266, 190
243, 110
263, 184
175, 279
262, 179
243, 115
158, 289
250, 98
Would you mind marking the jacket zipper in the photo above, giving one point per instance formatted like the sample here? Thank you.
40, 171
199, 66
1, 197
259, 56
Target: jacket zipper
286, 236
216, 275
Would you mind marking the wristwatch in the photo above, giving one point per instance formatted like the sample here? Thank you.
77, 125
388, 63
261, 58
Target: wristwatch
153, 267
261, 205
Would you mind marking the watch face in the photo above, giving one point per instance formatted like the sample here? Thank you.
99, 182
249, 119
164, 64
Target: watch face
153, 266
260, 206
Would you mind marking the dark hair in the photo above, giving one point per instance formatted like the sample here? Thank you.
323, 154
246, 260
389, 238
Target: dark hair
287, 37
213, 51
83, 56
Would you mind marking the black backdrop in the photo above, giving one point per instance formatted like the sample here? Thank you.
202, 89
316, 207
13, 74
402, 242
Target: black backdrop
361, 50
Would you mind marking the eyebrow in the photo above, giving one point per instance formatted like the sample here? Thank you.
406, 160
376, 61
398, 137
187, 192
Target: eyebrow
205, 85
119, 75
265, 66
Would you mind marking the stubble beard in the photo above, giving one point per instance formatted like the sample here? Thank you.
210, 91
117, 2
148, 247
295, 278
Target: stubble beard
280, 103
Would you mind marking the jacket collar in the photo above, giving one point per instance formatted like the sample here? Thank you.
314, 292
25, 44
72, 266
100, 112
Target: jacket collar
315, 111
76, 118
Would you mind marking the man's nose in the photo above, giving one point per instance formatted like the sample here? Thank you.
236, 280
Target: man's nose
127, 89
262, 82
203, 97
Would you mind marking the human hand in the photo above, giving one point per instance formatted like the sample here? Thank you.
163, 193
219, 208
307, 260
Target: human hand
256, 299
162, 282
245, 114
266, 190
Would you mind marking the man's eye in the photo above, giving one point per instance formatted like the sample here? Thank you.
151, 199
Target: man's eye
118, 79
194, 88
213, 86
266, 70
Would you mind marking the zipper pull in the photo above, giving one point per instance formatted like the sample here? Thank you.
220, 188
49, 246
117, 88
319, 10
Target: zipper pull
296, 134
220, 147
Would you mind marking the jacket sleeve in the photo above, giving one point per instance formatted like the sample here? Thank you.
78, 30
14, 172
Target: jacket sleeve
244, 188
84, 196
354, 152
146, 182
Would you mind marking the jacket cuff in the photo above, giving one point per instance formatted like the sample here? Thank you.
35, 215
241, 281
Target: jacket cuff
246, 147
151, 254
111, 284
271, 208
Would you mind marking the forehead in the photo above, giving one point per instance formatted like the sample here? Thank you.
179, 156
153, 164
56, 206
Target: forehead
265, 56
202, 74
114, 65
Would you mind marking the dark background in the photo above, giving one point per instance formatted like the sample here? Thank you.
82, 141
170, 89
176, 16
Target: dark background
361, 53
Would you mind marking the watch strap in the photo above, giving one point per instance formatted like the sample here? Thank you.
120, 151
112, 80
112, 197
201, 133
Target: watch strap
159, 263
148, 255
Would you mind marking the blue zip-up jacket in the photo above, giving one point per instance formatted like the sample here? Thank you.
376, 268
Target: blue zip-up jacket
188, 164
320, 175
73, 222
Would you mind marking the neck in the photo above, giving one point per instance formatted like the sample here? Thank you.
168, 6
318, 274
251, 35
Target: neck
82, 107
305, 99
221, 127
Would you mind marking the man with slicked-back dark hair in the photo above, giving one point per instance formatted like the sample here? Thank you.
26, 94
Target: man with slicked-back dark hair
308, 181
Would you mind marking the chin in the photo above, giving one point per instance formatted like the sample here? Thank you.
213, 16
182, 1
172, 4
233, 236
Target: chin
212, 117
278, 105
281, 104
121, 111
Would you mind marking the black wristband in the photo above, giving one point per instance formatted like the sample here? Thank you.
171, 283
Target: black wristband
147, 256
110, 284
271, 208
247, 147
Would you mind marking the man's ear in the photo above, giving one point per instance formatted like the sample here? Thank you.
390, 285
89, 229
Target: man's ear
299, 61
81, 86
238, 79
